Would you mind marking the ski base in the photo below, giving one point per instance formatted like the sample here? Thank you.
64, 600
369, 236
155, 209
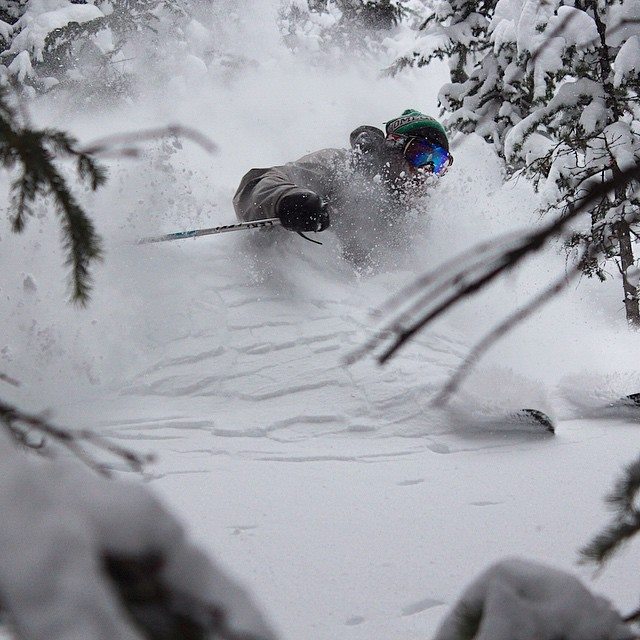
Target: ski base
621, 408
531, 421
626, 407
631, 400
536, 417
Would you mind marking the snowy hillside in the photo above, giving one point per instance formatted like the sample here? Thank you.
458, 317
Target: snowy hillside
348, 505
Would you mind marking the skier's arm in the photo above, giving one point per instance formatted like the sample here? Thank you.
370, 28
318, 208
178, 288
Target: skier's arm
259, 193
290, 191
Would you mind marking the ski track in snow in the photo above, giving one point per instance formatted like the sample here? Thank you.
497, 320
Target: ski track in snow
246, 362
284, 376
253, 347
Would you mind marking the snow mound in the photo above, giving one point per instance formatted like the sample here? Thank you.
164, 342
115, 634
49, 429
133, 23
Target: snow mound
63, 524
520, 599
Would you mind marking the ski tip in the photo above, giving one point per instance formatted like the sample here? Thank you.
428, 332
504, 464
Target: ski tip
632, 399
537, 417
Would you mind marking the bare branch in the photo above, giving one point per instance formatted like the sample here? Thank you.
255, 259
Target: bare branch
109, 144
501, 330
440, 280
9, 380
477, 256
450, 283
470, 284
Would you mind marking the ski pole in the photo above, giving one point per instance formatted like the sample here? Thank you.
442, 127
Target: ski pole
194, 233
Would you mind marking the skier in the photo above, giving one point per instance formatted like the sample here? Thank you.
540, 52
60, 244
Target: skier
374, 179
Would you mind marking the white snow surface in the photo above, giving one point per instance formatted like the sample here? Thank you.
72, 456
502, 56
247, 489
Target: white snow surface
346, 503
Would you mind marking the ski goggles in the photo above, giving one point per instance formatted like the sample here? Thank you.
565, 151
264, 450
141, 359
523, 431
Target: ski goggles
421, 153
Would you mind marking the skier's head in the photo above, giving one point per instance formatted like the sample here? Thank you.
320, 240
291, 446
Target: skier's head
422, 141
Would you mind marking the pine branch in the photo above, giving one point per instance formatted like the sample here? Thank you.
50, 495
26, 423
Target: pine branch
35, 152
626, 519
40, 176
609, 541
80, 239
23, 193
623, 496
88, 169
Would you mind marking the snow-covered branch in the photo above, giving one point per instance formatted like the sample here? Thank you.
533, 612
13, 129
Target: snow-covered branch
522, 599
98, 559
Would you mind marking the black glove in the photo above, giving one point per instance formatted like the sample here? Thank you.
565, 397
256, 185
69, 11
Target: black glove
302, 210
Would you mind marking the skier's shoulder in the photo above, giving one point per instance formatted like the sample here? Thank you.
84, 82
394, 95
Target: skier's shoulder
313, 165
330, 157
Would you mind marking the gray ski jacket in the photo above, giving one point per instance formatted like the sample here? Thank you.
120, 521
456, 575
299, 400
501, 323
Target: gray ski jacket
367, 194
260, 189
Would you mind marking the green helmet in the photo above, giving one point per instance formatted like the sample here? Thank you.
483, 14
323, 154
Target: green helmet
414, 123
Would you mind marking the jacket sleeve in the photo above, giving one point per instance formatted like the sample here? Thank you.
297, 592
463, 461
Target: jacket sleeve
260, 189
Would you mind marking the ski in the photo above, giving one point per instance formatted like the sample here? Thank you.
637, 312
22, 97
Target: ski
632, 400
195, 233
624, 407
600, 407
534, 417
487, 420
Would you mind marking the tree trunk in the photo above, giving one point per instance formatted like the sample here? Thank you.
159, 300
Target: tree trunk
631, 305
622, 230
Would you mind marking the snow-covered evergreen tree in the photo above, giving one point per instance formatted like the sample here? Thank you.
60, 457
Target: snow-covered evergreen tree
553, 86
625, 523
11, 10
354, 26
94, 557
456, 31
45, 45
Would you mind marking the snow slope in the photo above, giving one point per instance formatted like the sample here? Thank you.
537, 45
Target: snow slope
339, 495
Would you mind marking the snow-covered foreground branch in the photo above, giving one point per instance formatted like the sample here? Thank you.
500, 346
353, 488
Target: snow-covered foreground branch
529, 601
91, 558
